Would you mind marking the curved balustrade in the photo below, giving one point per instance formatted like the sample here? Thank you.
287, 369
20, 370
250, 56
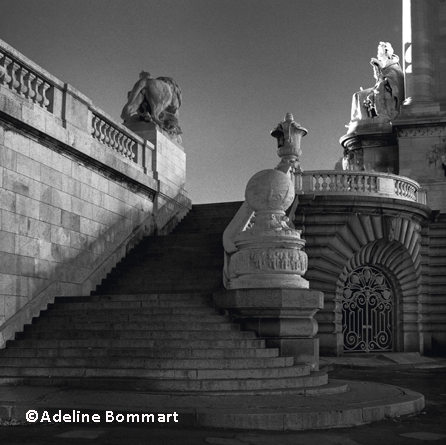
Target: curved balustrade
360, 183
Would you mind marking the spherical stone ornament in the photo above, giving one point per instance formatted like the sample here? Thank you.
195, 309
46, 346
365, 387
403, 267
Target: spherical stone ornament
270, 190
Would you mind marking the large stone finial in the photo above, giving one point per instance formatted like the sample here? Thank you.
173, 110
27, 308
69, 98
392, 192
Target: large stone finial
261, 249
154, 100
288, 134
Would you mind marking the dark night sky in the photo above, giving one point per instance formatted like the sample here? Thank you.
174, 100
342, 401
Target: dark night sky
241, 64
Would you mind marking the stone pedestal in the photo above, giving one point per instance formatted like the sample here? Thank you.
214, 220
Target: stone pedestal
169, 164
282, 317
374, 146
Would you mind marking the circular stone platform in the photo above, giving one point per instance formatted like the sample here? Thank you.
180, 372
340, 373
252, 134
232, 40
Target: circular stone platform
365, 402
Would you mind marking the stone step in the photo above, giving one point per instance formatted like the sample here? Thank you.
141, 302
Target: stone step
55, 311
56, 324
214, 283
136, 343
138, 297
135, 334
53, 318
172, 386
265, 374
137, 304
145, 363
142, 352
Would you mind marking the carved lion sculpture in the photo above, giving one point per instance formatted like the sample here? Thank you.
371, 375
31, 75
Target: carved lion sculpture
154, 100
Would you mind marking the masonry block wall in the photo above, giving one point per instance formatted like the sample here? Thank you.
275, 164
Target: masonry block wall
343, 233
77, 191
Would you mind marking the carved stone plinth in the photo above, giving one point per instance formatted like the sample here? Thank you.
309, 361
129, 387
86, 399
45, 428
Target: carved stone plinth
283, 317
267, 252
373, 146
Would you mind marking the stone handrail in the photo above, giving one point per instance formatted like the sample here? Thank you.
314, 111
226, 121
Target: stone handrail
359, 183
21, 76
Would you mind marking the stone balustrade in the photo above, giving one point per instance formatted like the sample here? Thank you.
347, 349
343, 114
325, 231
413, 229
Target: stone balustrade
19, 78
22, 76
110, 135
359, 183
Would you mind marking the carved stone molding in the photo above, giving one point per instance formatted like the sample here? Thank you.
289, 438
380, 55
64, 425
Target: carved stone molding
433, 130
270, 260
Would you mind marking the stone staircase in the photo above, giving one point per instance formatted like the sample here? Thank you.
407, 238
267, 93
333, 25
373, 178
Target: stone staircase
152, 326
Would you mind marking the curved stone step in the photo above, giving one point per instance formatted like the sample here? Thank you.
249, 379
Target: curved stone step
146, 363
187, 310
81, 325
191, 296
136, 343
135, 334
180, 375
118, 317
142, 352
216, 386
274, 409
131, 304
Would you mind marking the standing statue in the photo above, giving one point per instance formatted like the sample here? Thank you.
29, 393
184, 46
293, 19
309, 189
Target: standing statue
154, 100
382, 101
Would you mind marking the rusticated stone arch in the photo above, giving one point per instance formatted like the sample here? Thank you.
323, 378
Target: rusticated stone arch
337, 237
396, 262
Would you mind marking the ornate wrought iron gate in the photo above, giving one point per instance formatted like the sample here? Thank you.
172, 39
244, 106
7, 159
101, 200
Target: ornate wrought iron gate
367, 311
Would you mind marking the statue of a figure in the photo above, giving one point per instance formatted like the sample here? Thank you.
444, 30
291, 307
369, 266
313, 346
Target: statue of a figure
288, 134
154, 100
382, 101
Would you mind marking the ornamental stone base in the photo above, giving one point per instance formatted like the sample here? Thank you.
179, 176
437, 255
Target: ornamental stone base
282, 317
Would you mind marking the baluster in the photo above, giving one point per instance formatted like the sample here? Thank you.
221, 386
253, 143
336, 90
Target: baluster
123, 145
119, 140
111, 137
118, 137
95, 128
131, 153
36, 87
14, 83
373, 184
343, 180
127, 145
105, 132
396, 185
316, 185
31, 78
43, 89
23, 85
101, 126
6, 78
325, 180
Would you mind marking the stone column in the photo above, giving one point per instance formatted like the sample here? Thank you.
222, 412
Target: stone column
420, 43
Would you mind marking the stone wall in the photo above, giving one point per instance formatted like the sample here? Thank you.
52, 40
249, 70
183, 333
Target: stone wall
345, 232
77, 190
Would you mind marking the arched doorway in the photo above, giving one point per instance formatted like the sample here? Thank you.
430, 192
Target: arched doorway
368, 308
